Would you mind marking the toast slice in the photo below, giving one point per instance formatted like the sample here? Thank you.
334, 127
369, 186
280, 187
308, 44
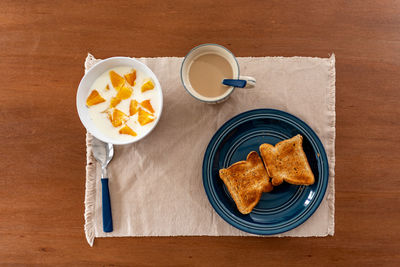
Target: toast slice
286, 161
246, 181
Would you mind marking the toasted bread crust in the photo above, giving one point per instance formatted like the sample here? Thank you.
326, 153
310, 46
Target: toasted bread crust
286, 161
246, 181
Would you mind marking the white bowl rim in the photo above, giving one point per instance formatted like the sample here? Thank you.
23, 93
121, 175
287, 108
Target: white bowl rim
129, 60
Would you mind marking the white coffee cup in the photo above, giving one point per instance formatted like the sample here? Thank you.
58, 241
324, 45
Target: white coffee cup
220, 51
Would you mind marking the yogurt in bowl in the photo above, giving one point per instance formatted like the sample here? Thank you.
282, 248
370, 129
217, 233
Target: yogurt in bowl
119, 100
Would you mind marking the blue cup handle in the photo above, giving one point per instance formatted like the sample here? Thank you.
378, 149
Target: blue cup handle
242, 82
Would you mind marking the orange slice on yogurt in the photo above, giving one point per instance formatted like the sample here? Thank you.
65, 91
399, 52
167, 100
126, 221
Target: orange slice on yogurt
114, 102
133, 107
131, 77
116, 80
124, 92
94, 98
127, 130
147, 105
118, 118
147, 85
145, 117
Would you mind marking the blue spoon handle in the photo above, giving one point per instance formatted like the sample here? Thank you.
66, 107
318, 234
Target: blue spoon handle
235, 82
107, 216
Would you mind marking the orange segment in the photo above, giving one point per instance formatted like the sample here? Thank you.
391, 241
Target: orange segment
116, 80
114, 102
148, 85
145, 117
131, 77
147, 105
108, 87
127, 130
94, 98
125, 92
118, 118
133, 107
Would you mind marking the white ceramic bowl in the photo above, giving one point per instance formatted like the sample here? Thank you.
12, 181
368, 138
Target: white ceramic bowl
92, 75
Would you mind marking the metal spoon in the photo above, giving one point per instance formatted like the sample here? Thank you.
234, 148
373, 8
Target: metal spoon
104, 153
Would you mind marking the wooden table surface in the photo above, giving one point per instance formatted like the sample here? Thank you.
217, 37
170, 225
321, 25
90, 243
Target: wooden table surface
43, 45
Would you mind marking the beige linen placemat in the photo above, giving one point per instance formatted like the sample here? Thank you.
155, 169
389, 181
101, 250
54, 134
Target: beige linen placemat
156, 184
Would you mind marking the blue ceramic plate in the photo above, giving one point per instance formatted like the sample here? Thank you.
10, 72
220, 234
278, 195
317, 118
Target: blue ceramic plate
286, 206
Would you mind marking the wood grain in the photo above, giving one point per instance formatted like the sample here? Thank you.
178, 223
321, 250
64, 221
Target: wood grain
42, 48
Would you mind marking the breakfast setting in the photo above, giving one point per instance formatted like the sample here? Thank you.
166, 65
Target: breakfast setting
191, 147
200, 133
